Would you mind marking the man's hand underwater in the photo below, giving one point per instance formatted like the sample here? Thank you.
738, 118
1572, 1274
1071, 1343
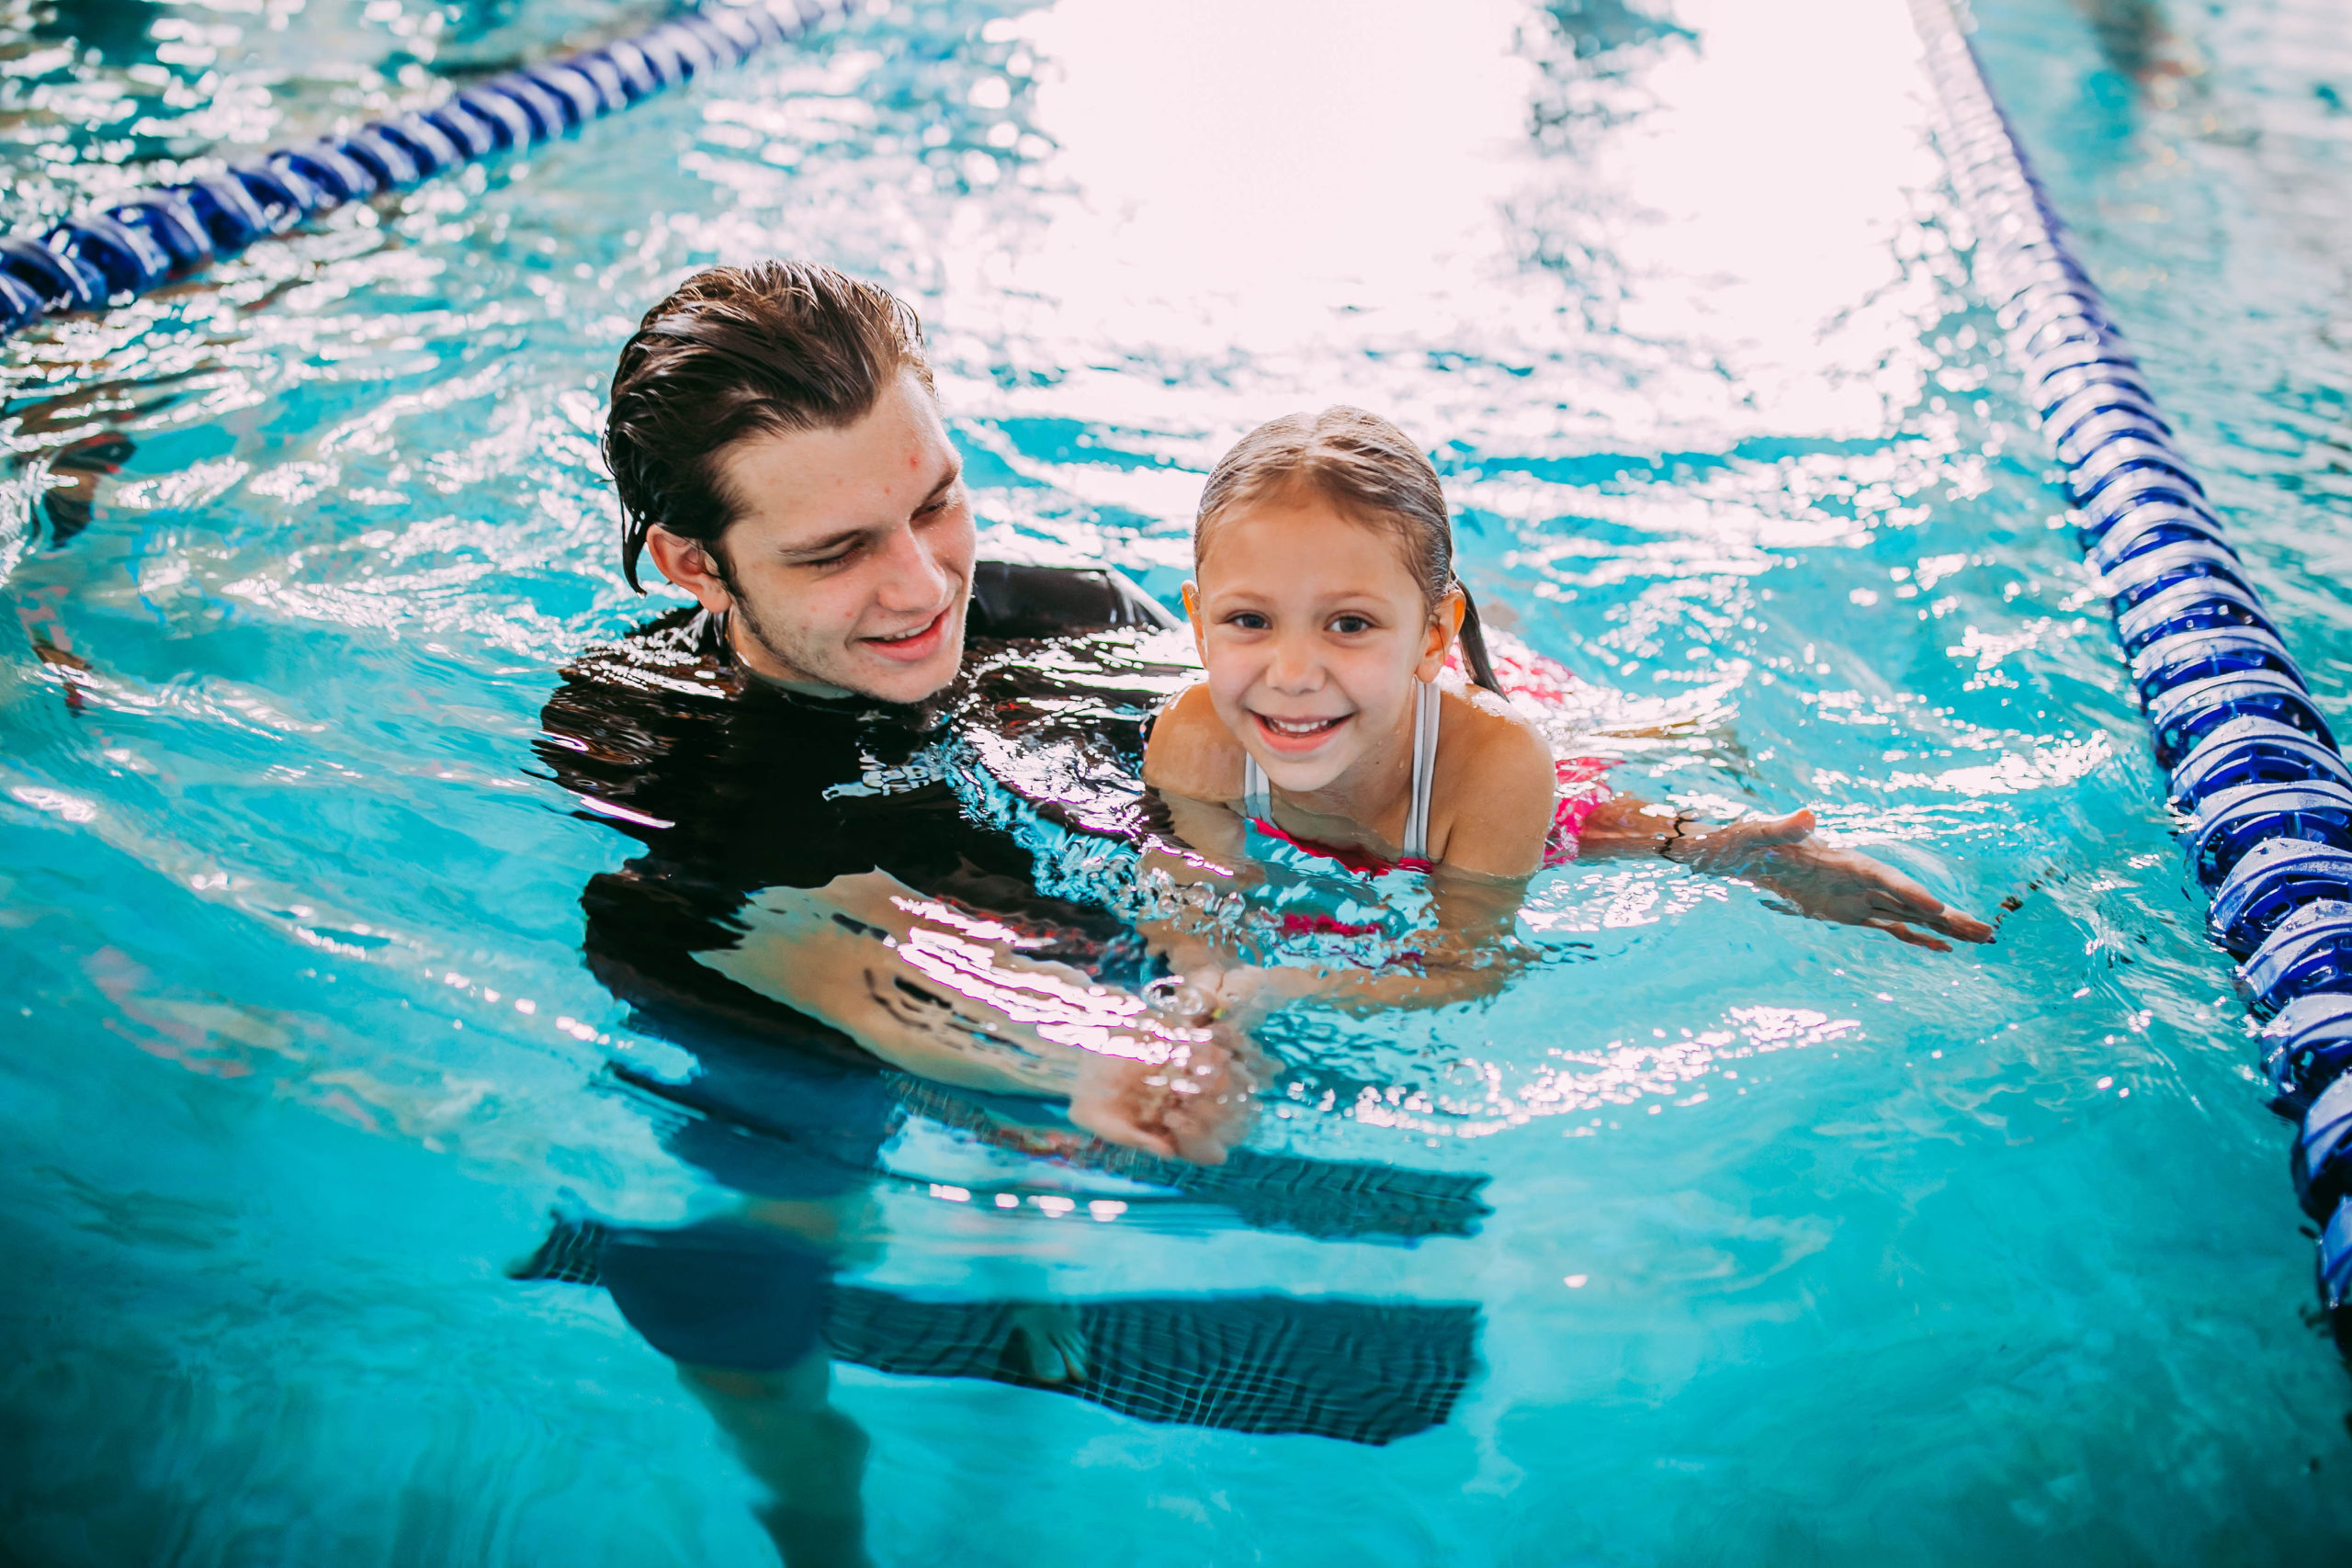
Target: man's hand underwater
1196, 1105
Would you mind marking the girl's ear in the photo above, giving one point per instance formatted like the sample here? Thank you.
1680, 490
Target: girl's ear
1192, 614
1445, 624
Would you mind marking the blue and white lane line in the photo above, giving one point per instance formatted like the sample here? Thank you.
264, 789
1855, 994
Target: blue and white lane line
160, 235
2254, 766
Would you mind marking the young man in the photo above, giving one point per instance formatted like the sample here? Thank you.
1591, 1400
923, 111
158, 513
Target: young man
779, 455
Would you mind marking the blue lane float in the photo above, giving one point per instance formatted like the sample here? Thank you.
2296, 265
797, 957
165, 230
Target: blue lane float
159, 236
2254, 767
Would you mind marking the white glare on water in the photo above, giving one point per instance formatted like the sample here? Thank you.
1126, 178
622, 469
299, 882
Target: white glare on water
1287, 187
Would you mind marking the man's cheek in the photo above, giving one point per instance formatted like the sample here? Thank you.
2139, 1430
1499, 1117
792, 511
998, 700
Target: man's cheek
963, 542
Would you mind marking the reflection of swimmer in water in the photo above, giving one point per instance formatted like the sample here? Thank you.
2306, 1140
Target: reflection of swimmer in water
1325, 609
740, 1299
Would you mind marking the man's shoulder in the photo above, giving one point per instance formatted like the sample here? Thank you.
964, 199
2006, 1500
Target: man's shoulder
637, 723
683, 653
1015, 600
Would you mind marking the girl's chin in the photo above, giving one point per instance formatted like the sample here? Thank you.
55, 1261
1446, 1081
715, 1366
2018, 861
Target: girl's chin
1301, 775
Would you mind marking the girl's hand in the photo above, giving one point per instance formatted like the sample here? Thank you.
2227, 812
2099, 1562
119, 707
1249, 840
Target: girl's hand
1781, 855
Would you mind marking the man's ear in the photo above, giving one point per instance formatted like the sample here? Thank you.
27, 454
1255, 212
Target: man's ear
687, 563
1444, 627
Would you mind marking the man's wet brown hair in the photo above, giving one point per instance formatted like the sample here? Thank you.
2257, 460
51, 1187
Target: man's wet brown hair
1373, 474
771, 348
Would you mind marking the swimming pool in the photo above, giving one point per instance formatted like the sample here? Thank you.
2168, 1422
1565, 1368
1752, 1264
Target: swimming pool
1806, 1246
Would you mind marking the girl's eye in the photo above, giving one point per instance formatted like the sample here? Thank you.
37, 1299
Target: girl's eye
1350, 626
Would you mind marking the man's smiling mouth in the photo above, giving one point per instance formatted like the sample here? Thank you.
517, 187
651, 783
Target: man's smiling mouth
915, 644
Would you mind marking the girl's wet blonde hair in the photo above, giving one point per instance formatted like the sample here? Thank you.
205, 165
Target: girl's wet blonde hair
1373, 474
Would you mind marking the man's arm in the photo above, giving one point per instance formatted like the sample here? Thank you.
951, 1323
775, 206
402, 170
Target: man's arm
937, 991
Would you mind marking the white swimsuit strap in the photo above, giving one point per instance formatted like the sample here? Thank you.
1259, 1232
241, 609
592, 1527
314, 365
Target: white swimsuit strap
1257, 795
1416, 820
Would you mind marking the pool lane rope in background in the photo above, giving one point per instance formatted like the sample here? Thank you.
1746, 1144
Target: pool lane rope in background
2253, 765
162, 235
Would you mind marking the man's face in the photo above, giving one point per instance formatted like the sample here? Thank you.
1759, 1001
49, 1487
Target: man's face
850, 561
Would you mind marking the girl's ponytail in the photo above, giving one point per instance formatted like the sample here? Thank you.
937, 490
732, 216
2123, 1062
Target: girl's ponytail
1473, 646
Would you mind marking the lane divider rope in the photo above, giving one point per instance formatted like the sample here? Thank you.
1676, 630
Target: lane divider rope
2255, 768
164, 235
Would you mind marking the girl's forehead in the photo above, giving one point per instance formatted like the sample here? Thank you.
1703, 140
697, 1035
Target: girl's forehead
1307, 544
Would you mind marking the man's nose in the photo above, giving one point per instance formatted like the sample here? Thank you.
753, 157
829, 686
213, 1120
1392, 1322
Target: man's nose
912, 578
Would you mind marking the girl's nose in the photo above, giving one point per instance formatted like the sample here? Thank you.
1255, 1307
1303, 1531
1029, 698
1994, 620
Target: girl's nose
1293, 669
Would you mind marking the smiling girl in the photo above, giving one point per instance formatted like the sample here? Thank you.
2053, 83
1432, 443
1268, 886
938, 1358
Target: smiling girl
1324, 606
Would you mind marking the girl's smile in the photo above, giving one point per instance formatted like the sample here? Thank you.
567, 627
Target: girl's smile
1296, 736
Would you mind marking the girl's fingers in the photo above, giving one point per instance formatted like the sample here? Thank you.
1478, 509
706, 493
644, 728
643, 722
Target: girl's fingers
1968, 928
1914, 896
1902, 933
1929, 910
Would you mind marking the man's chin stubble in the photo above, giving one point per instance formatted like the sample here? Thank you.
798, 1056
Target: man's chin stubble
809, 671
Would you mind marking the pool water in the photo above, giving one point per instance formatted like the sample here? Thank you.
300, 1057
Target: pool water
1806, 1247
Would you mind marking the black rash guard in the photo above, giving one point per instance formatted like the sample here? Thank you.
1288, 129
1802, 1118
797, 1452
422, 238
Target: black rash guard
730, 784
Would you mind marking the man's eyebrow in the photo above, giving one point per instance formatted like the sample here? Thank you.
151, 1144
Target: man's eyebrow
831, 542
848, 536
946, 482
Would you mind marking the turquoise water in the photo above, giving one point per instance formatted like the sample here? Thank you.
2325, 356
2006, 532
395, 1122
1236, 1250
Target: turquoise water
1807, 1248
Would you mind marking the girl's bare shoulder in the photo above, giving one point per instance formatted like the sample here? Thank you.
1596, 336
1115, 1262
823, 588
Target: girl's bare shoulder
1495, 786
1191, 753
1483, 736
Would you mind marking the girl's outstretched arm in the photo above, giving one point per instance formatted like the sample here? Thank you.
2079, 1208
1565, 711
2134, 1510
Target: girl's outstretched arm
1786, 857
